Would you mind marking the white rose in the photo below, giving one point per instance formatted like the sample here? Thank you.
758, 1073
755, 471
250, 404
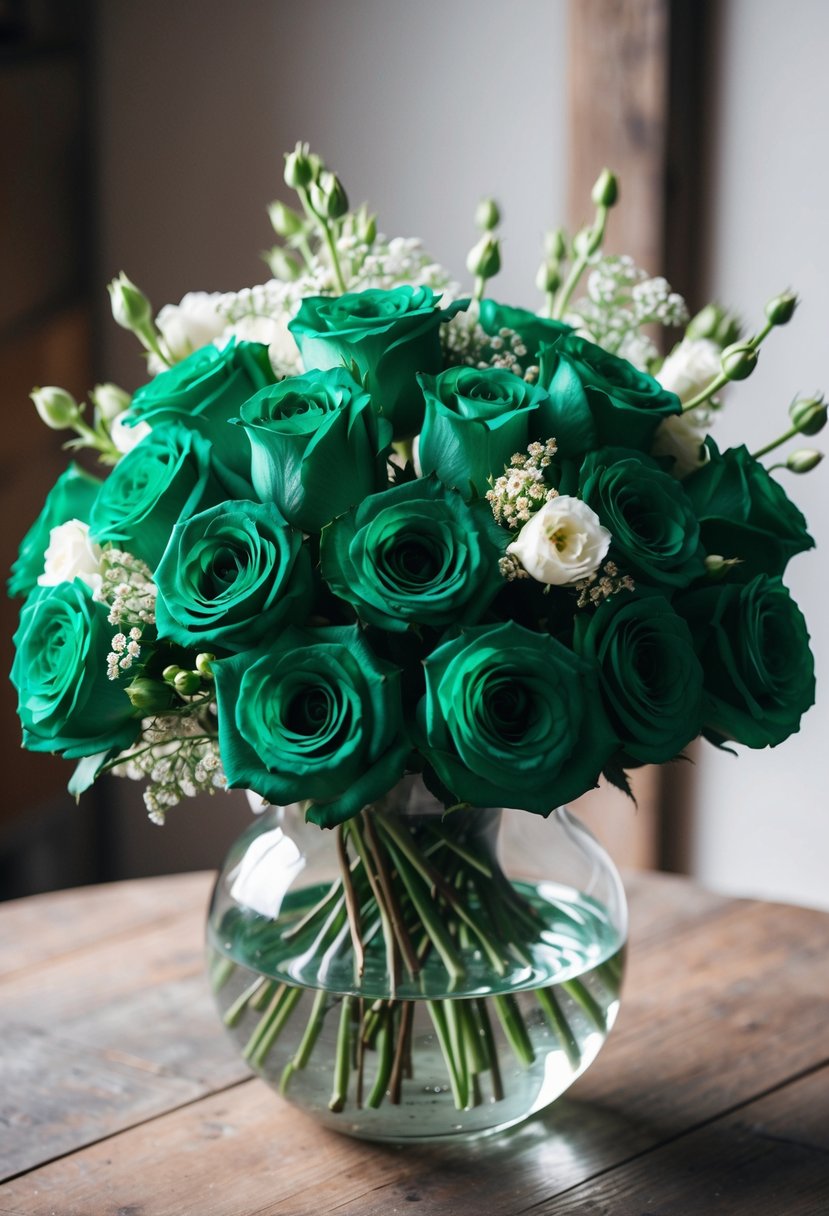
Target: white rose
689, 367
678, 437
126, 436
71, 554
562, 543
273, 332
191, 324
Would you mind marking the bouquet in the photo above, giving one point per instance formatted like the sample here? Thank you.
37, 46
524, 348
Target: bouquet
359, 526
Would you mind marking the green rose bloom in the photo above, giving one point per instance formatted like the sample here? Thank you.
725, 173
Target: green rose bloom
597, 398
317, 446
744, 513
513, 718
759, 674
654, 528
204, 391
170, 475
71, 497
388, 336
231, 577
533, 330
650, 676
66, 703
315, 716
474, 422
415, 554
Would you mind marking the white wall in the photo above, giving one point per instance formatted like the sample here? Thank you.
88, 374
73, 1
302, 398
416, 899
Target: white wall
763, 820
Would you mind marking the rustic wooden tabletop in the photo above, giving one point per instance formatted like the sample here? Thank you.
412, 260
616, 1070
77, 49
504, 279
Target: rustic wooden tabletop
121, 1096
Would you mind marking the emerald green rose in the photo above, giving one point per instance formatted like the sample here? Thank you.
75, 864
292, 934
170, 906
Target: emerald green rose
475, 421
533, 330
387, 336
170, 475
416, 554
759, 673
650, 676
317, 446
204, 391
71, 497
231, 577
597, 398
513, 718
66, 703
745, 513
650, 517
316, 717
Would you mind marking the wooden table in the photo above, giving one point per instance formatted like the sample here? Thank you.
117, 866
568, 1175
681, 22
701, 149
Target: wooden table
120, 1095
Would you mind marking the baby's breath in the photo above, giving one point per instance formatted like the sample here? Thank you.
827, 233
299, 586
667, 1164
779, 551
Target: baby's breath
521, 490
600, 586
178, 758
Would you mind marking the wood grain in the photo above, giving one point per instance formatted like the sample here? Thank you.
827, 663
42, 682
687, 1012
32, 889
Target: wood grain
112, 1062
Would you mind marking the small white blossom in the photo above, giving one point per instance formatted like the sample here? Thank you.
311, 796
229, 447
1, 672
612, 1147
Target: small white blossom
562, 543
192, 323
126, 434
70, 555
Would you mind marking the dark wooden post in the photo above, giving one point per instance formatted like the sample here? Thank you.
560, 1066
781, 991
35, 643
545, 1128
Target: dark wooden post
636, 74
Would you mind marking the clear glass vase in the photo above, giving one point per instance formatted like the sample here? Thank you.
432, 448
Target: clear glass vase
415, 974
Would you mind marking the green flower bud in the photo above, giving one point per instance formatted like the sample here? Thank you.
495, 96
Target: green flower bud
328, 198
780, 310
606, 190
57, 408
299, 167
284, 220
170, 673
555, 245
548, 278
714, 323
204, 665
717, 566
282, 265
808, 415
738, 361
484, 259
187, 683
366, 227
487, 215
587, 242
149, 696
130, 307
110, 400
803, 460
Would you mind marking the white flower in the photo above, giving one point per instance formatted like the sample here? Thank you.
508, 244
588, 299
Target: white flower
689, 367
124, 435
71, 554
273, 332
678, 438
192, 323
562, 543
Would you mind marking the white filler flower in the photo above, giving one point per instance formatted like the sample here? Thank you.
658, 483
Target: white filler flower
71, 554
126, 435
189, 325
562, 543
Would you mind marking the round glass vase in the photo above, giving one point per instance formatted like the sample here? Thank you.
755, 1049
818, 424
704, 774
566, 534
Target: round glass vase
416, 974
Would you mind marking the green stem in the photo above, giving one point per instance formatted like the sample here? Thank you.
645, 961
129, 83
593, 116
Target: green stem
491, 1049
352, 907
275, 1027
480, 287
388, 931
384, 878
220, 972
454, 1029
309, 1038
342, 1060
438, 1016
385, 1054
512, 1023
578, 267
559, 1023
234, 1013
586, 1000
428, 914
404, 1029
462, 851
707, 393
775, 443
